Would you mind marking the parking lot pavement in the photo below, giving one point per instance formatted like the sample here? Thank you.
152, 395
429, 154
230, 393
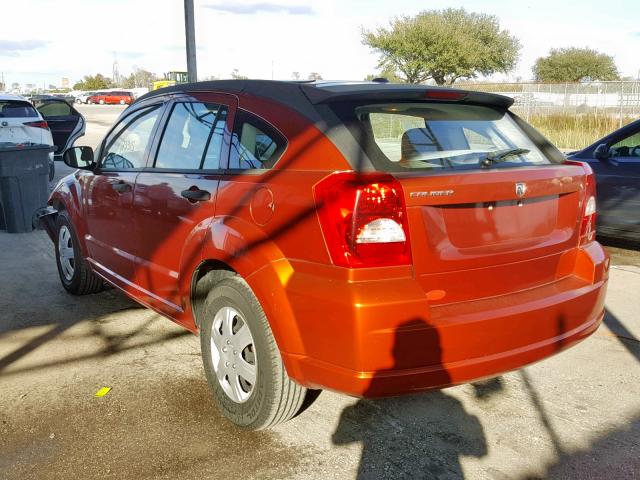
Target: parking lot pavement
576, 415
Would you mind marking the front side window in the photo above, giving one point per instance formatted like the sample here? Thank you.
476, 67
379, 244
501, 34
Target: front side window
435, 136
193, 137
255, 144
126, 144
629, 147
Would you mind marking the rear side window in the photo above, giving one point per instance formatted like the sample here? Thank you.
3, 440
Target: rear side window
17, 109
55, 109
436, 136
193, 137
255, 144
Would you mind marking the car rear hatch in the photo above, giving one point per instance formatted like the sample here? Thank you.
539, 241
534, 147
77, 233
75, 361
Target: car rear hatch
486, 233
492, 207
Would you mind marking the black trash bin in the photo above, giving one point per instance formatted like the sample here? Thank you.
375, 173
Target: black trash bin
24, 184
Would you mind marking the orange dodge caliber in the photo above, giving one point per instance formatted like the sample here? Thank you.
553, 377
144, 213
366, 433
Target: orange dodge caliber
369, 238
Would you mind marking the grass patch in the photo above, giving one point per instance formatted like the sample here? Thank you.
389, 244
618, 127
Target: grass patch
576, 131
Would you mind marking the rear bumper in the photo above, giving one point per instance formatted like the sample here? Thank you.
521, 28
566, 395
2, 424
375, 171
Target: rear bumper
379, 338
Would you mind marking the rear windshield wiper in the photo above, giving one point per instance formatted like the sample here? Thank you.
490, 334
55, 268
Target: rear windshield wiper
502, 156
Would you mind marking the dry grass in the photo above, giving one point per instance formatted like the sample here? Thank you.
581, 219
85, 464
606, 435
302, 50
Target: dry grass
576, 131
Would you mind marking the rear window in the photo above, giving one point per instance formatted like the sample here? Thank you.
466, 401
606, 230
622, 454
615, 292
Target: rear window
16, 109
438, 136
55, 109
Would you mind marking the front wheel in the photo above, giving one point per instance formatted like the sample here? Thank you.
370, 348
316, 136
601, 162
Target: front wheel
101, 102
122, 102
75, 274
242, 361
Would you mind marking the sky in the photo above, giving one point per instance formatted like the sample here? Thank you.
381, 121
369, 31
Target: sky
274, 38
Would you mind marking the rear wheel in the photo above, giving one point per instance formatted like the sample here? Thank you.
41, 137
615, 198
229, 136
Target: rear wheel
101, 102
122, 102
242, 361
75, 274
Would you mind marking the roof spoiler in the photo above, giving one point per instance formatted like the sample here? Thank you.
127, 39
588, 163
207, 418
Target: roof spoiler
390, 92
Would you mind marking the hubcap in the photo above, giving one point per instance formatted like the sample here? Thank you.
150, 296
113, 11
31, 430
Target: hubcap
234, 355
65, 252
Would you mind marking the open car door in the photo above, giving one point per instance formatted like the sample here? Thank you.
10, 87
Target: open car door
65, 122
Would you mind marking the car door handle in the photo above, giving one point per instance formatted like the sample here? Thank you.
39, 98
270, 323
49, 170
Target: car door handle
121, 187
194, 194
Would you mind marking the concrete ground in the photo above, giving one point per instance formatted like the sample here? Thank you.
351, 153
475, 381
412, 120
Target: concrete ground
575, 415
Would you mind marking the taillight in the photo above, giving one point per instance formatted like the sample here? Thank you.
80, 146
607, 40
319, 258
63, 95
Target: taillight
363, 219
588, 222
37, 124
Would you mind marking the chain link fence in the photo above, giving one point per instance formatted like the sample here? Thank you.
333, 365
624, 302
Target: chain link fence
619, 100
571, 115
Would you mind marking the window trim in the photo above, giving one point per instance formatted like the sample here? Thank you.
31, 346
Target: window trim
130, 117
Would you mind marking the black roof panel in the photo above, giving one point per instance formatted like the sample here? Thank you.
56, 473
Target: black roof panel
294, 93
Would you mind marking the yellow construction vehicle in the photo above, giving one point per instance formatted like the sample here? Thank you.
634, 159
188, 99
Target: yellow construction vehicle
170, 79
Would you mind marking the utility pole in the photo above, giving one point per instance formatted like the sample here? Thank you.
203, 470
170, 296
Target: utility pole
190, 35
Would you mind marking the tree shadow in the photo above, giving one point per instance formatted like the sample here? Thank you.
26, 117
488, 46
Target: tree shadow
627, 339
615, 455
426, 435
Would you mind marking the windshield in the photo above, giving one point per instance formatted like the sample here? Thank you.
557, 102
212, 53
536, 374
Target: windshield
436, 136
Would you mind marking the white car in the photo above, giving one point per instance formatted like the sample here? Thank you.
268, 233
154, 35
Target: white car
50, 121
84, 97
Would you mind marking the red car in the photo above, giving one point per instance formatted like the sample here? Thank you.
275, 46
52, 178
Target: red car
111, 98
372, 239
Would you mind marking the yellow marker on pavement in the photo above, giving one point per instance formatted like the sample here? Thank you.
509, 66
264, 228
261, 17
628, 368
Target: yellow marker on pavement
103, 391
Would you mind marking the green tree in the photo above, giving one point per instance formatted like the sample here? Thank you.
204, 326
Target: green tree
574, 65
444, 45
388, 73
95, 82
236, 75
139, 78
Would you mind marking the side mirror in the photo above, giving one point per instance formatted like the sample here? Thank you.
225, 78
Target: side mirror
79, 157
601, 152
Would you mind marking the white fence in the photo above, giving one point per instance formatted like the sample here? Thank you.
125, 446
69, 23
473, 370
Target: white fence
615, 99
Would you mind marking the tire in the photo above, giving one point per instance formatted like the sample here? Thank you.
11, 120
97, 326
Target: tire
79, 279
122, 102
251, 403
78, 100
101, 102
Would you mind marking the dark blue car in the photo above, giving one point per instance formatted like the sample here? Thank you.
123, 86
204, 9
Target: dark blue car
615, 159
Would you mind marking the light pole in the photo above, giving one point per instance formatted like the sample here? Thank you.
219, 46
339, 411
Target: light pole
190, 35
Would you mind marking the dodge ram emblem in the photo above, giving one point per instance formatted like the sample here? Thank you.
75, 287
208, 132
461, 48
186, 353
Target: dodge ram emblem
521, 189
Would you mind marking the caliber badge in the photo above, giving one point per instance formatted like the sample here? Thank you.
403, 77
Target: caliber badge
521, 189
